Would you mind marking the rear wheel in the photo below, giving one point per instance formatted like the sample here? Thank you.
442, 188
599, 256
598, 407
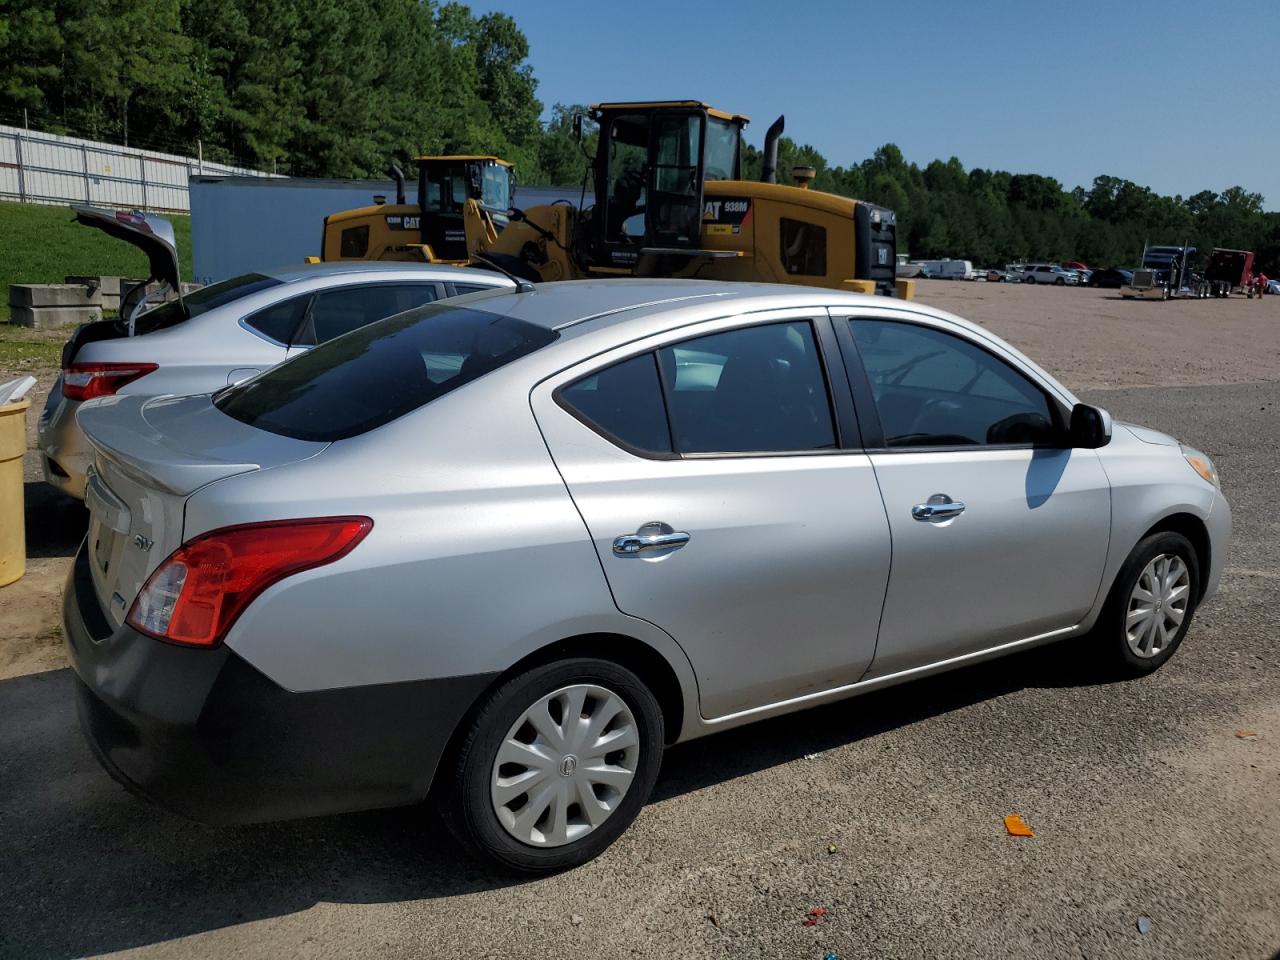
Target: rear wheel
1060, 282
556, 765
1150, 605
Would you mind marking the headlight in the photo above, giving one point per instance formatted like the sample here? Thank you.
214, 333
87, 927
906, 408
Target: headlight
1200, 463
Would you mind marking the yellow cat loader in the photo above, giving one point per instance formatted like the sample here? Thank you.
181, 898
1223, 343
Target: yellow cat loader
670, 201
462, 205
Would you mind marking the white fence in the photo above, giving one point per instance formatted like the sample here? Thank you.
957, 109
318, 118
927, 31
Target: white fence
47, 168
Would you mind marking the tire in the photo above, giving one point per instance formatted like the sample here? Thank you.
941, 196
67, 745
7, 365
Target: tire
1060, 282
473, 778
1112, 631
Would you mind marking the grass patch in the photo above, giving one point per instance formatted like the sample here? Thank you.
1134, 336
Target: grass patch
30, 351
44, 244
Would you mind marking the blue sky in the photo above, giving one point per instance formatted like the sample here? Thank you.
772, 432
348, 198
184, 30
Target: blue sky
1138, 90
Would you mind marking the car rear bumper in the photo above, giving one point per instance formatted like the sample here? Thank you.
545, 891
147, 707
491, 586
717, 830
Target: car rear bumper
65, 453
205, 734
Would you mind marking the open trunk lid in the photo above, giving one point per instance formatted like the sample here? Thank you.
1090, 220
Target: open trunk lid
150, 455
154, 236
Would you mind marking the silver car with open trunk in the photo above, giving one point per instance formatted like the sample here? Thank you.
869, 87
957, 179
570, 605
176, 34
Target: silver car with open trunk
515, 543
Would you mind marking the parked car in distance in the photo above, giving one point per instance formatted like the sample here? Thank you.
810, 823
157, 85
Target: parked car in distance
1112, 278
516, 543
1273, 286
946, 269
995, 275
1049, 273
1075, 265
222, 333
1013, 272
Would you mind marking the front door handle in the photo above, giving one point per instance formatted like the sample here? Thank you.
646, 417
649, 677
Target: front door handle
937, 507
650, 538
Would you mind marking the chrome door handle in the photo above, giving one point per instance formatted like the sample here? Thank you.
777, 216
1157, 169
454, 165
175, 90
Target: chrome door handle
650, 538
937, 507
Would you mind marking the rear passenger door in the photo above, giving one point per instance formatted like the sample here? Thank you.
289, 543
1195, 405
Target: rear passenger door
331, 313
719, 473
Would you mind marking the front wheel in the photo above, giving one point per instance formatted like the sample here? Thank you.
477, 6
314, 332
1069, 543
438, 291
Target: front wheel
1150, 606
1060, 282
556, 764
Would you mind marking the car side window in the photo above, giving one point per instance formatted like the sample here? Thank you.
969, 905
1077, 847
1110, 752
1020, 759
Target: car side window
340, 311
757, 388
624, 403
279, 322
932, 388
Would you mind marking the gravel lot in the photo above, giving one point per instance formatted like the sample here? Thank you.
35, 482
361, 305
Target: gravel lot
1144, 800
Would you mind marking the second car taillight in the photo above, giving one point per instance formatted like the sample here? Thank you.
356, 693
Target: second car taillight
195, 596
84, 381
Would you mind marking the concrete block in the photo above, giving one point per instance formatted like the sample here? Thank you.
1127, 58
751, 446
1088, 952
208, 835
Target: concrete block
50, 318
110, 286
53, 295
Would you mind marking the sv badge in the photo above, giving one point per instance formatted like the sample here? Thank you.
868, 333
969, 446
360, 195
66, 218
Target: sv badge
142, 543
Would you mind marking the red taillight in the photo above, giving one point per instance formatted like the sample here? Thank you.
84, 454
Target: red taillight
195, 596
84, 381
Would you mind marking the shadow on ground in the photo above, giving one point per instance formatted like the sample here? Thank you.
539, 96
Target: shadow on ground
90, 869
55, 523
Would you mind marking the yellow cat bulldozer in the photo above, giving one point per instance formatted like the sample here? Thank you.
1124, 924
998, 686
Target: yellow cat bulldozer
670, 201
462, 204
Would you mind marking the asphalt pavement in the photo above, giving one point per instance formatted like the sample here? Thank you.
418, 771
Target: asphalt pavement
886, 810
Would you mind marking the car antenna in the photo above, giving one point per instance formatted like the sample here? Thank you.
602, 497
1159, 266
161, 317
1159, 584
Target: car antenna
522, 285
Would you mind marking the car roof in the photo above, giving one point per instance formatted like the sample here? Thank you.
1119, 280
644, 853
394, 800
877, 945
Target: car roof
595, 303
429, 271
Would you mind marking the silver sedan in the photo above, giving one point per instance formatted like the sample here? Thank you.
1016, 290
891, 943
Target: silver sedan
515, 544
226, 332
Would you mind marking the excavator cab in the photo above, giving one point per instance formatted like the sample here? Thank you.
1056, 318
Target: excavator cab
445, 184
651, 162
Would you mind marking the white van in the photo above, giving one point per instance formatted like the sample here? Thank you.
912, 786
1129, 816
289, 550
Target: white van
947, 269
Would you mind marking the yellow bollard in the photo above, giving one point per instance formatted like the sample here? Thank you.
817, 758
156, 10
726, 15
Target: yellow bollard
906, 289
13, 533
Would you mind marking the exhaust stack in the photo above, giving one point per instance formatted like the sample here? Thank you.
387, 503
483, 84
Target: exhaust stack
396, 174
769, 171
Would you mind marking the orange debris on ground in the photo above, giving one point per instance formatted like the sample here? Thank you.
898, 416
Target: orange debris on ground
1017, 827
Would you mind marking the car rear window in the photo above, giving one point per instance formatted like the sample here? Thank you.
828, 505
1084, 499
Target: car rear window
200, 301
380, 372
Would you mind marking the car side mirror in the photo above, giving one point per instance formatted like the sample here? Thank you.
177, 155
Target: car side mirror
1090, 427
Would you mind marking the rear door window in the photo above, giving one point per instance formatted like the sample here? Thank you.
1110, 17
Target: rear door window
623, 403
335, 312
753, 389
380, 372
279, 322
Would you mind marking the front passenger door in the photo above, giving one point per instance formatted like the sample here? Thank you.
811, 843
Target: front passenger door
1000, 529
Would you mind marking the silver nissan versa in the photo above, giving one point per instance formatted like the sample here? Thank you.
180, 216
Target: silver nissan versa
515, 543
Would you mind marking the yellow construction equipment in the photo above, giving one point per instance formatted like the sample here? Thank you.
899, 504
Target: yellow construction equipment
670, 201
438, 227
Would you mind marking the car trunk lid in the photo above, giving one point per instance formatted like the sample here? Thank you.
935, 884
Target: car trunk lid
150, 455
152, 235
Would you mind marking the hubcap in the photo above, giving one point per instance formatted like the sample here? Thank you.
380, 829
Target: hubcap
565, 765
1157, 605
